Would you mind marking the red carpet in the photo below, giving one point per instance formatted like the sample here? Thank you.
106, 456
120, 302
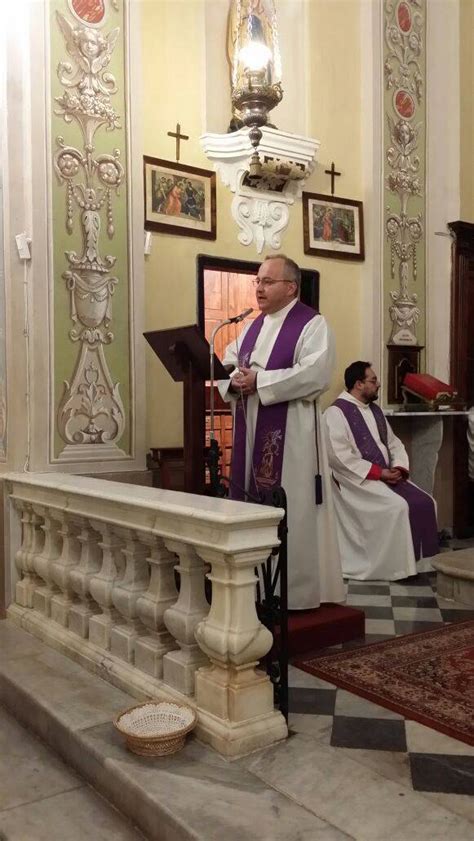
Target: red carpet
428, 676
330, 624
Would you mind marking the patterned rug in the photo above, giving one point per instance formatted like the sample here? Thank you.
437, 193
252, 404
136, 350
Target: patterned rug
427, 676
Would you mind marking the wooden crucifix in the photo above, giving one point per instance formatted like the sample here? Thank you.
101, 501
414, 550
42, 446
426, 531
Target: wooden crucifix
332, 172
179, 138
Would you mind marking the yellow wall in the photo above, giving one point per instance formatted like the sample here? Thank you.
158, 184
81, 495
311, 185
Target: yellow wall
173, 60
467, 109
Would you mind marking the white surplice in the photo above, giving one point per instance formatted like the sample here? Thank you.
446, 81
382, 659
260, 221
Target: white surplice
314, 568
373, 522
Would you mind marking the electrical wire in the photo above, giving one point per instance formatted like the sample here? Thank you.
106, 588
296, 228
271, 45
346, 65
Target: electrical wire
26, 334
243, 402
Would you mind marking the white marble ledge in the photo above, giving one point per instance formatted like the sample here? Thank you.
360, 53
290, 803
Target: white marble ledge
456, 567
173, 502
198, 519
274, 142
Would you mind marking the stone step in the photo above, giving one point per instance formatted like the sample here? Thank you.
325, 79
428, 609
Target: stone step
42, 799
195, 795
455, 575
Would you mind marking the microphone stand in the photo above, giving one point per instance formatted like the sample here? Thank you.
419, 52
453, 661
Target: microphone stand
217, 488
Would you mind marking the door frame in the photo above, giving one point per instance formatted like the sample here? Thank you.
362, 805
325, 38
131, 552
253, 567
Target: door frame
309, 279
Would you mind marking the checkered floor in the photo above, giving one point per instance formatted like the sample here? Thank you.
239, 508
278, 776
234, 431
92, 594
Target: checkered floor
431, 761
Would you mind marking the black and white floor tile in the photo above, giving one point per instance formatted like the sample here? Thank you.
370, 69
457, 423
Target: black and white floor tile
431, 761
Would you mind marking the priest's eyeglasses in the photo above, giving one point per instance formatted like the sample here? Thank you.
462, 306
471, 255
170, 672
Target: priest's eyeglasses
268, 281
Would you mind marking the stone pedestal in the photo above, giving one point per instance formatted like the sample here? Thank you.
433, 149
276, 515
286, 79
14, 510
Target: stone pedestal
150, 650
233, 690
125, 594
455, 575
79, 618
101, 586
182, 619
151, 607
100, 627
80, 577
179, 668
32, 542
124, 638
236, 714
62, 567
43, 562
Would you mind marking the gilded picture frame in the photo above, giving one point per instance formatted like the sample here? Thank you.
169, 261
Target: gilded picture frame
179, 199
333, 227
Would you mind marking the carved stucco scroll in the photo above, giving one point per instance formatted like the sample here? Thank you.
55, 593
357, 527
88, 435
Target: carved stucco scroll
404, 30
91, 414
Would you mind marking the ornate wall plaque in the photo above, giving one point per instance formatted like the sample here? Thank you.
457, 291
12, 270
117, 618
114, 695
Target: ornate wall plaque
91, 276
404, 168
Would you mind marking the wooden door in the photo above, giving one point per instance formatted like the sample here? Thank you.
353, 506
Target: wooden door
225, 295
462, 368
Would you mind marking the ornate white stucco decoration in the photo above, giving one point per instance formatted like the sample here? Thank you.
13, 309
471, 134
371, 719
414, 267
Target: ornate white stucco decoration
261, 207
91, 415
403, 70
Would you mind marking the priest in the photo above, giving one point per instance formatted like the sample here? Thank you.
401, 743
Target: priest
385, 522
281, 363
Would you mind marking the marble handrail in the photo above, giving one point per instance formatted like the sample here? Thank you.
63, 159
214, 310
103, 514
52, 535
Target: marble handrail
92, 566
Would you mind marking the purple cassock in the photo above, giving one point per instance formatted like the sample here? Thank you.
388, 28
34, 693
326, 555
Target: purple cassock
269, 443
423, 525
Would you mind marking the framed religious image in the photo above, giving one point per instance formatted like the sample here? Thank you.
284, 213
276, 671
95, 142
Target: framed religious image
179, 199
333, 227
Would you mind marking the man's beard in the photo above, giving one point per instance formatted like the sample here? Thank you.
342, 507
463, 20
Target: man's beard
372, 398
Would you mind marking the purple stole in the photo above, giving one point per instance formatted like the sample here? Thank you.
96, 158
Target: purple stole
423, 525
269, 443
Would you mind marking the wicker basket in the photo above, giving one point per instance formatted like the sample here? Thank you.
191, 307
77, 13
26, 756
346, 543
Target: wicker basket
156, 728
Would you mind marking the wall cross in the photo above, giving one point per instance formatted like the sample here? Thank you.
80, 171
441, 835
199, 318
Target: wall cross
179, 138
332, 172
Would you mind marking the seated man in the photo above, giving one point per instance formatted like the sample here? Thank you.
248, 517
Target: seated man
385, 523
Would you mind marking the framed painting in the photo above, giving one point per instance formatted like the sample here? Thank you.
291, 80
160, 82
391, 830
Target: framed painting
179, 199
333, 227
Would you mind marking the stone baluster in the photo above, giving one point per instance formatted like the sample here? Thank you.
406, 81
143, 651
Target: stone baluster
161, 594
31, 545
125, 594
44, 561
235, 701
181, 619
21, 590
89, 565
101, 585
61, 568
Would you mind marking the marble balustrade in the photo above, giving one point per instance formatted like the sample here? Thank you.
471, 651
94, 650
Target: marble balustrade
93, 568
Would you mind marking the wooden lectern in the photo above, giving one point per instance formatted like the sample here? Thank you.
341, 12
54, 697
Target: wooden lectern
185, 353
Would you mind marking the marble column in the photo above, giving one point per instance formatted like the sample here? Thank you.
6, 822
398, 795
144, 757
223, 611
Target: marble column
44, 560
89, 565
62, 567
101, 585
234, 698
31, 546
125, 593
427, 437
182, 618
151, 606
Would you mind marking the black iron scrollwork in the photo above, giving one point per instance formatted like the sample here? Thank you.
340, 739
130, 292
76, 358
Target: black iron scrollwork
272, 580
272, 603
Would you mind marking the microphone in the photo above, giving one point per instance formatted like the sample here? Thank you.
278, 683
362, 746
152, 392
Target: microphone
235, 320
240, 317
